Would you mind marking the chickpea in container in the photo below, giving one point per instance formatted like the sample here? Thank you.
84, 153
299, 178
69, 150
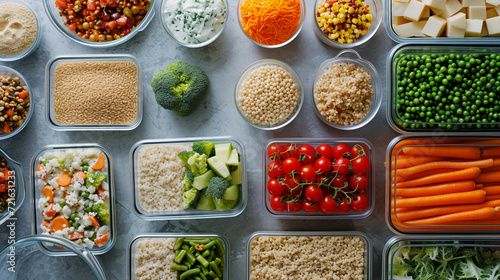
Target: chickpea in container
14, 103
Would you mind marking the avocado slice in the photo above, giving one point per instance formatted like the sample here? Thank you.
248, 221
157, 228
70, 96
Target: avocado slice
232, 193
222, 151
218, 166
201, 182
205, 202
234, 158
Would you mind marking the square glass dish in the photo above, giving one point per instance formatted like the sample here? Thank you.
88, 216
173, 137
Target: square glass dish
159, 179
106, 88
153, 254
72, 195
293, 189
408, 257
310, 255
437, 88
446, 184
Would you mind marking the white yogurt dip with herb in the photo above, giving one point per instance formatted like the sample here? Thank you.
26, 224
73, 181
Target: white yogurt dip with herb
194, 21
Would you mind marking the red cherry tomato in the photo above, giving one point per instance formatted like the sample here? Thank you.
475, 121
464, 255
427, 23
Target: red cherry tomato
344, 206
274, 187
360, 165
340, 150
314, 193
308, 174
325, 150
358, 182
327, 205
291, 184
288, 151
306, 154
310, 206
341, 166
276, 203
293, 206
355, 150
339, 181
273, 152
323, 165
291, 165
274, 170
360, 203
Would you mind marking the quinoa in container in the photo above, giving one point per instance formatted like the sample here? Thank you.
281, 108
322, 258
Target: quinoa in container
269, 94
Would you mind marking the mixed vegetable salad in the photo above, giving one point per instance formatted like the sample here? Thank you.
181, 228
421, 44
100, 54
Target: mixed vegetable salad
75, 201
6, 183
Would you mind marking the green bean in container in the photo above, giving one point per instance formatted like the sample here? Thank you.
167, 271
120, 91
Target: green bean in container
199, 258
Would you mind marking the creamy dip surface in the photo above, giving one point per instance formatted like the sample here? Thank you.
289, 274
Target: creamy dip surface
194, 21
18, 29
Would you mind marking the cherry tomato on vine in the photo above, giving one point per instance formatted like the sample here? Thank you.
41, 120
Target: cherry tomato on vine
273, 151
306, 154
358, 182
274, 169
340, 150
339, 181
290, 165
360, 203
344, 206
355, 150
314, 193
327, 205
341, 166
310, 206
274, 187
293, 206
307, 173
291, 184
323, 165
360, 165
325, 150
288, 151
276, 203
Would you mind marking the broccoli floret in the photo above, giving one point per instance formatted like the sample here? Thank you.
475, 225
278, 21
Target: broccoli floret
491, 272
95, 179
467, 269
402, 269
185, 155
102, 210
188, 180
190, 197
217, 187
198, 164
204, 147
180, 88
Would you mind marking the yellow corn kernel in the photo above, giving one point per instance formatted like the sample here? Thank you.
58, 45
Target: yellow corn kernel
330, 21
335, 8
342, 20
336, 35
368, 25
348, 26
351, 36
356, 31
348, 20
354, 20
341, 16
323, 20
336, 21
351, 10
341, 10
369, 17
353, 26
341, 40
321, 10
349, 41
363, 32
363, 17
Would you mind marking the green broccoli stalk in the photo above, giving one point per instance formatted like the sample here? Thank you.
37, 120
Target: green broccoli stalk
180, 88
198, 164
185, 155
102, 210
204, 147
188, 180
217, 187
190, 197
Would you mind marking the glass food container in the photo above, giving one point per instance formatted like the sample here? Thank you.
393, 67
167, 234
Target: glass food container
146, 146
14, 188
36, 194
292, 146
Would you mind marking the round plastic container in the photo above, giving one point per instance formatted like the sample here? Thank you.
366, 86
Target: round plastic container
35, 44
7, 71
376, 11
188, 45
301, 23
375, 81
22, 260
19, 188
58, 21
296, 78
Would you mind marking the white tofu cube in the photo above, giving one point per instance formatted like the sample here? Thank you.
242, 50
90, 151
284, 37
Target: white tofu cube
493, 26
399, 20
434, 26
493, 2
398, 9
414, 10
407, 30
469, 3
437, 12
438, 4
491, 13
426, 13
454, 32
473, 27
452, 7
497, 9
457, 21
477, 12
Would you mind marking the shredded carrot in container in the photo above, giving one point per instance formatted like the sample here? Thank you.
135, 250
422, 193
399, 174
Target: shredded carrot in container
270, 22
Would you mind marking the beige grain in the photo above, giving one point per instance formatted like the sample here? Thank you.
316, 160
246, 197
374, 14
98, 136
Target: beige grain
18, 29
153, 258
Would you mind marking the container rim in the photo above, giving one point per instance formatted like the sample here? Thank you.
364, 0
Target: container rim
19, 187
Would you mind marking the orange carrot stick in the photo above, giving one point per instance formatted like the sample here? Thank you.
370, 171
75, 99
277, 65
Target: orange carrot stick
492, 197
100, 162
485, 163
459, 175
94, 221
64, 179
476, 196
491, 152
478, 214
489, 177
409, 160
465, 152
59, 223
491, 190
423, 174
436, 189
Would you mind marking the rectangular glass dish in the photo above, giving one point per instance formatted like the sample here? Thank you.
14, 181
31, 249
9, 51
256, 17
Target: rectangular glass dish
308, 255
295, 189
74, 184
446, 184
437, 88
119, 109
160, 197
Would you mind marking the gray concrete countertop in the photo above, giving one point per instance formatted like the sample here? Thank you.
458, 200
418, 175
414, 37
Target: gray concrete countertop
224, 60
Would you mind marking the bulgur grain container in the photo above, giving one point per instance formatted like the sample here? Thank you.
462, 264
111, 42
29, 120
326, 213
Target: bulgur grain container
14, 189
15, 48
109, 88
287, 253
398, 251
368, 91
267, 110
26, 103
442, 184
376, 11
438, 88
77, 158
290, 147
161, 244
19, 260
53, 13
158, 180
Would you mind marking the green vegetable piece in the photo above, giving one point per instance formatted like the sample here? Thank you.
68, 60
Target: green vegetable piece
194, 241
178, 267
202, 275
212, 273
103, 214
204, 147
209, 245
234, 157
215, 268
224, 205
236, 176
180, 257
218, 166
220, 247
189, 273
185, 155
232, 193
216, 188
191, 250
180, 87
205, 253
198, 164
62, 204
190, 258
202, 181
65, 160
95, 179
190, 197
202, 260
223, 150
188, 180
205, 202
178, 244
